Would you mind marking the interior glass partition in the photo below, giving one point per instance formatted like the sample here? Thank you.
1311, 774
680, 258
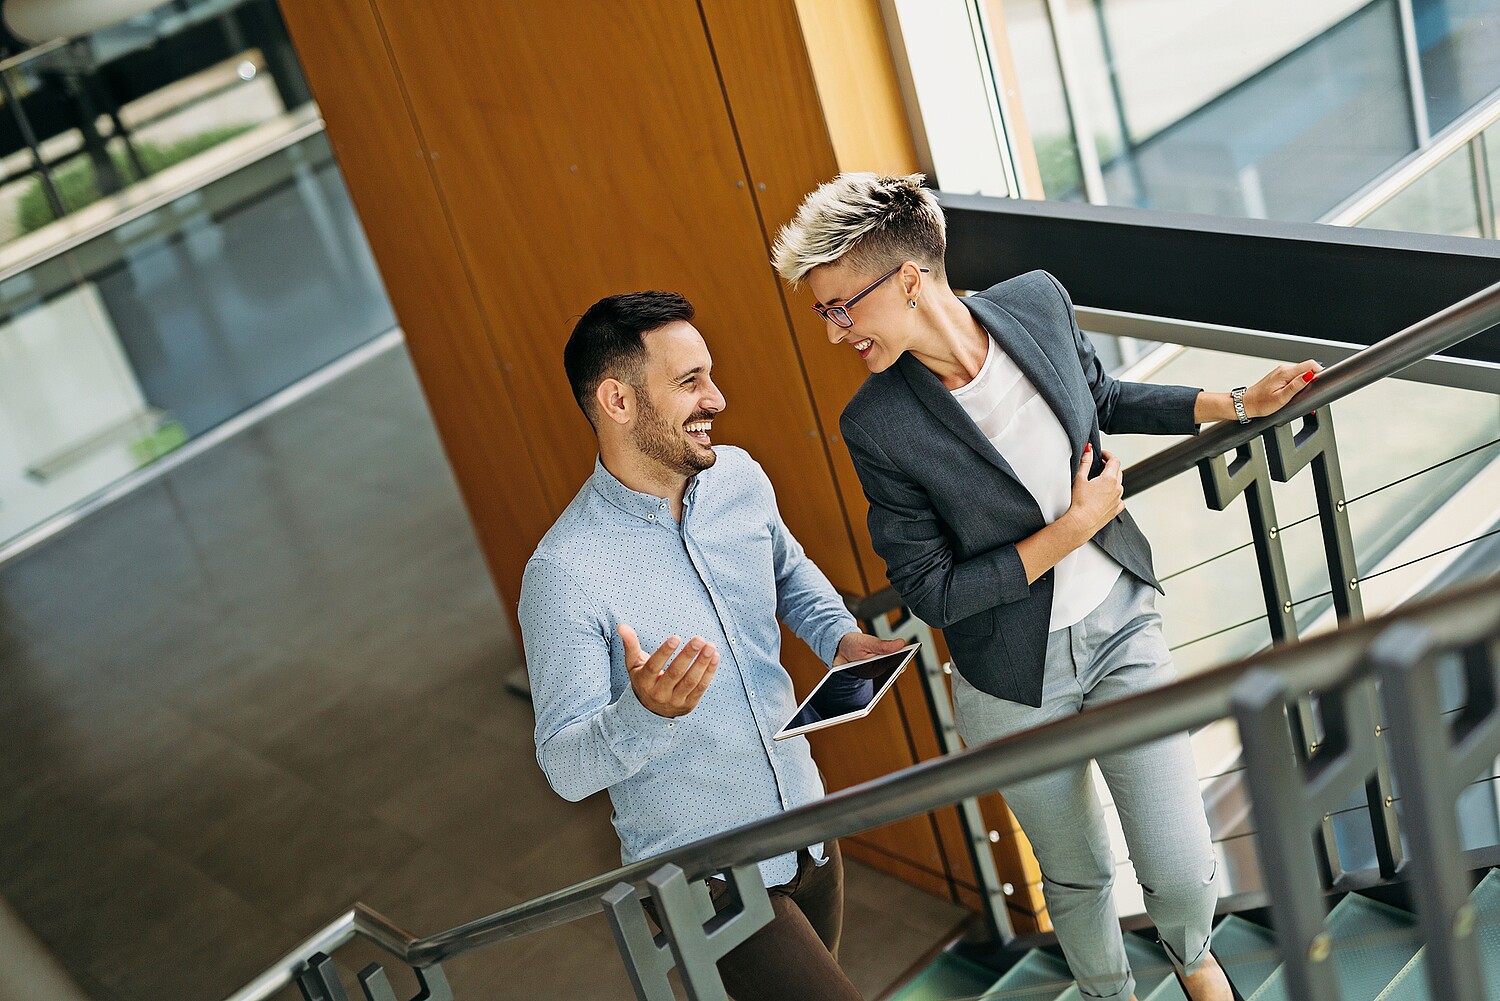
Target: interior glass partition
176, 246
89, 118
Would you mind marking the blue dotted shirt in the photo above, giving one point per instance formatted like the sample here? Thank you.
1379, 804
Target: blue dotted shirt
726, 573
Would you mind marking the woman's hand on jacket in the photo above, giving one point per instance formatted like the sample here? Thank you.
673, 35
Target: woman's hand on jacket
1097, 501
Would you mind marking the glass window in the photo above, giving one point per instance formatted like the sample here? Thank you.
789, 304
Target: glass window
1441, 201
1277, 110
1043, 98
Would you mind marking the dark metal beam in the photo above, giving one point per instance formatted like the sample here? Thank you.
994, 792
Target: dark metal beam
1309, 280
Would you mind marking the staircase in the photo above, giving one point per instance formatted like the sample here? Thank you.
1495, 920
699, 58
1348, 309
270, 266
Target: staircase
1375, 950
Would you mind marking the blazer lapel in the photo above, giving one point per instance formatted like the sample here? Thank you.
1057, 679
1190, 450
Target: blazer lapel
1022, 346
936, 398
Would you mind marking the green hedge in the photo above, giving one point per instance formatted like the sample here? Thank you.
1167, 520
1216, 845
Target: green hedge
77, 186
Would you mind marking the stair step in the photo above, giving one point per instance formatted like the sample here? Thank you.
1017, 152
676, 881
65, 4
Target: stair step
1411, 983
1371, 943
949, 976
1167, 990
1037, 977
1149, 964
1246, 951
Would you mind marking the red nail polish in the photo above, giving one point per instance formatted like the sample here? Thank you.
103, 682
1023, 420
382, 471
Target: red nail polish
1088, 447
1309, 376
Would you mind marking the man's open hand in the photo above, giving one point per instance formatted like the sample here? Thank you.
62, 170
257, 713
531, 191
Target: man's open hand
669, 689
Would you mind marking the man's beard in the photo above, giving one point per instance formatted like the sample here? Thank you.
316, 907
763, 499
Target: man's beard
660, 441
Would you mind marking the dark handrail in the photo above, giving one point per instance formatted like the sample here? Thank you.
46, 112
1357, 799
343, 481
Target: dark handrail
1455, 618
1442, 330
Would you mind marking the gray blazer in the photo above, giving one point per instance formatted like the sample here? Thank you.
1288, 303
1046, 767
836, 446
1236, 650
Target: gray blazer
946, 509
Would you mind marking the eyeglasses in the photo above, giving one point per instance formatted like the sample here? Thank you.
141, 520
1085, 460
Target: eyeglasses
840, 314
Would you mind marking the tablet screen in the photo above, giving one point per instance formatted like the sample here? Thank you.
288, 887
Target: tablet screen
847, 692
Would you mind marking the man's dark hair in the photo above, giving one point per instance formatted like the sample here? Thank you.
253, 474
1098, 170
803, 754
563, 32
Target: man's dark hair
606, 341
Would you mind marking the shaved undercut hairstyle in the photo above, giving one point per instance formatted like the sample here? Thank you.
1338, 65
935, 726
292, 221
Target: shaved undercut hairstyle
606, 341
871, 222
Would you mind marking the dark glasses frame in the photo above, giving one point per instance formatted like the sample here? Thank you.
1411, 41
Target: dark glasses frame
839, 314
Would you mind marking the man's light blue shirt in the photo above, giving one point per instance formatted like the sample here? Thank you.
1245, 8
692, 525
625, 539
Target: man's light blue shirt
726, 573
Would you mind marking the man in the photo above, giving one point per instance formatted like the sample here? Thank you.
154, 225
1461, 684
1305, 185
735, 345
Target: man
677, 547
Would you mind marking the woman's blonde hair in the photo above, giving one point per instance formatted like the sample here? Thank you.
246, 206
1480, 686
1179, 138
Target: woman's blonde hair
871, 221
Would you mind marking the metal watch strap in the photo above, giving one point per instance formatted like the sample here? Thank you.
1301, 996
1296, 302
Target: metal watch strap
1238, 395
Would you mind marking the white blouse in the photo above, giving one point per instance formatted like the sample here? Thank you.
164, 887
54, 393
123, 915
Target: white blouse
1010, 412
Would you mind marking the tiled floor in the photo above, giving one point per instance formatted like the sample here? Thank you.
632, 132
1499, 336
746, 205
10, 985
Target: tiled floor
271, 684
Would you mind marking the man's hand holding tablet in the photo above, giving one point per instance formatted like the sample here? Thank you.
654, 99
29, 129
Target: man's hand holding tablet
850, 690
863, 646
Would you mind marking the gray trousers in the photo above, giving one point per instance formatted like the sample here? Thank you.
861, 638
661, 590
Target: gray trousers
1117, 650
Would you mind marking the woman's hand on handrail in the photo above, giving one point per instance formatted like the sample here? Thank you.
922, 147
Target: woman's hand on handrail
1266, 397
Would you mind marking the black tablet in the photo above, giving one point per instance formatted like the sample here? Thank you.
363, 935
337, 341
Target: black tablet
839, 696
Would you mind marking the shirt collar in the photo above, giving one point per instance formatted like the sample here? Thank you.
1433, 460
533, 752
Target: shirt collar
646, 507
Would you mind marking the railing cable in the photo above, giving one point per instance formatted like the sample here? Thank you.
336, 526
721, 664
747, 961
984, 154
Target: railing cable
1358, 497
1325, 594
1218, 632
1462, 455
1419, 559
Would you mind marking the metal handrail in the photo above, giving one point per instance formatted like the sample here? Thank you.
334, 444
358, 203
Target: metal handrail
1460, 617
1443, 329
1436, 370
1407, 172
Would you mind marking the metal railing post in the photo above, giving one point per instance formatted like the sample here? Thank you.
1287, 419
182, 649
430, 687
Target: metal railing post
432, 984
1286, 817
970, 816
1435, 761
320, 981
1249, 473
1288, 453
697, 937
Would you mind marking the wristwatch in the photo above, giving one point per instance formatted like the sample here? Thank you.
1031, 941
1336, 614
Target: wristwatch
1238, 395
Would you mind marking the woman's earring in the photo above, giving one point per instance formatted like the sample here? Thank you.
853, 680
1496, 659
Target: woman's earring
912, 304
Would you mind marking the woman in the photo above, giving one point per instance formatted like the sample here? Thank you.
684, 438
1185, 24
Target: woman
1001, 521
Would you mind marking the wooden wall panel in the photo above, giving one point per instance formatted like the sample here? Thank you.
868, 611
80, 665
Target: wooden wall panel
585, 150
789, 151
849, 51
387, 169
